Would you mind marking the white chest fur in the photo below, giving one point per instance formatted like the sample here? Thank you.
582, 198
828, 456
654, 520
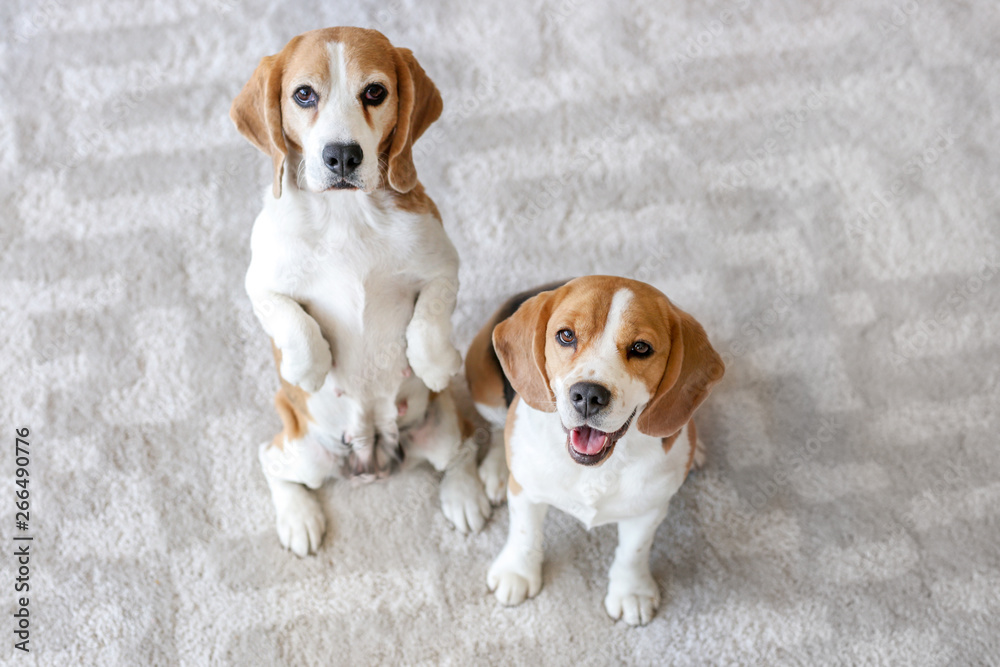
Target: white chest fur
638, 476
355, 263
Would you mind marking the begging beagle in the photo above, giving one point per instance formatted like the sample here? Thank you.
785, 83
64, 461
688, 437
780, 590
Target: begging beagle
602, 376
353, 277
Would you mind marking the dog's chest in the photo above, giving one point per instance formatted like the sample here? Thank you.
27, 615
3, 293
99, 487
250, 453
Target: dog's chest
637, 478
346, 261
356, 265
350, 263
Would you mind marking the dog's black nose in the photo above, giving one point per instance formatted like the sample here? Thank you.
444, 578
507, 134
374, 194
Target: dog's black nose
589, 398
342, 159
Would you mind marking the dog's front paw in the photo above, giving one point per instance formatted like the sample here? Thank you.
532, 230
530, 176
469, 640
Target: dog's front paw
493, 473
463, 502
307, 368
431, 355
634, 601
301, 522
513, 579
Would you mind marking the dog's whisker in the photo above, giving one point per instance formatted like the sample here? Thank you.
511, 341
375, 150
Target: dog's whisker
300, 174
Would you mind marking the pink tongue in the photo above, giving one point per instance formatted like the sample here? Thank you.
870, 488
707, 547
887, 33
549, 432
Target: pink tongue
587, 440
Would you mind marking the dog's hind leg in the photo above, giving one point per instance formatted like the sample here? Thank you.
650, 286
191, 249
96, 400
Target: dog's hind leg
292, 462
300, 519
443, 441
493, 468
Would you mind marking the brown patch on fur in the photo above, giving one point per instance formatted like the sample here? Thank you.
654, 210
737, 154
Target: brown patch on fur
508, 429
292, 404
690, 370
520, 344
416, 201
693, 443
512, 485
465, 426
668, 442
419, 105
483, 367
482, 370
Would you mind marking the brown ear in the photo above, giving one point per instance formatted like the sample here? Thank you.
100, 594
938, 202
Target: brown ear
257, 113
519, 342
693, 367
419, 105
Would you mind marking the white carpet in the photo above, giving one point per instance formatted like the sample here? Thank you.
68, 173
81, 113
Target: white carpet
722, 151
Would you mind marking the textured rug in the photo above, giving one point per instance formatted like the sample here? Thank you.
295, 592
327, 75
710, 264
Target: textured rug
817, 182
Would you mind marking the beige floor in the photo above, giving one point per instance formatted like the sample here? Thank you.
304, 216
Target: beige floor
816, 181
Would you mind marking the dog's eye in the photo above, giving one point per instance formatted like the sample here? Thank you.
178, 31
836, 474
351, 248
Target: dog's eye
640, 348
305, 96
566, 337
373, 95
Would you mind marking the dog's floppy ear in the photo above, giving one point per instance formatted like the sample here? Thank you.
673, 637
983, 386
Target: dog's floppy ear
519, 342
693, 368
419, 105
257, 113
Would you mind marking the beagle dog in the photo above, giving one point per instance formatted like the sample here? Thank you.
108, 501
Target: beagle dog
353, 277
602, 376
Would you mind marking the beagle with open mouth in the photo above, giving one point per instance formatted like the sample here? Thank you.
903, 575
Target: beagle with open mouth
353, 277
602, 376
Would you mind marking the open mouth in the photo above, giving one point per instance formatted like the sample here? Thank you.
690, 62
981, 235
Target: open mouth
588, 446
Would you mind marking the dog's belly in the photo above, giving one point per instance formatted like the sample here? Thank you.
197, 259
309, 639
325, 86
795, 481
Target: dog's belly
364, 319
334, 414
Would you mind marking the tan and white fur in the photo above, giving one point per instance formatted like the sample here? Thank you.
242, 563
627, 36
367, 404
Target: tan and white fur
353, 277
607, 373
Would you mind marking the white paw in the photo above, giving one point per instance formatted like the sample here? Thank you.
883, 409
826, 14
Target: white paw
307, 369
513, 579
301, 522
493, 473
431, 355
634, 603
463, 502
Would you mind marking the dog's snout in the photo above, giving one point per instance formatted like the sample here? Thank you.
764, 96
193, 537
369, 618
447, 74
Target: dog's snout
342, 159
589, 398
